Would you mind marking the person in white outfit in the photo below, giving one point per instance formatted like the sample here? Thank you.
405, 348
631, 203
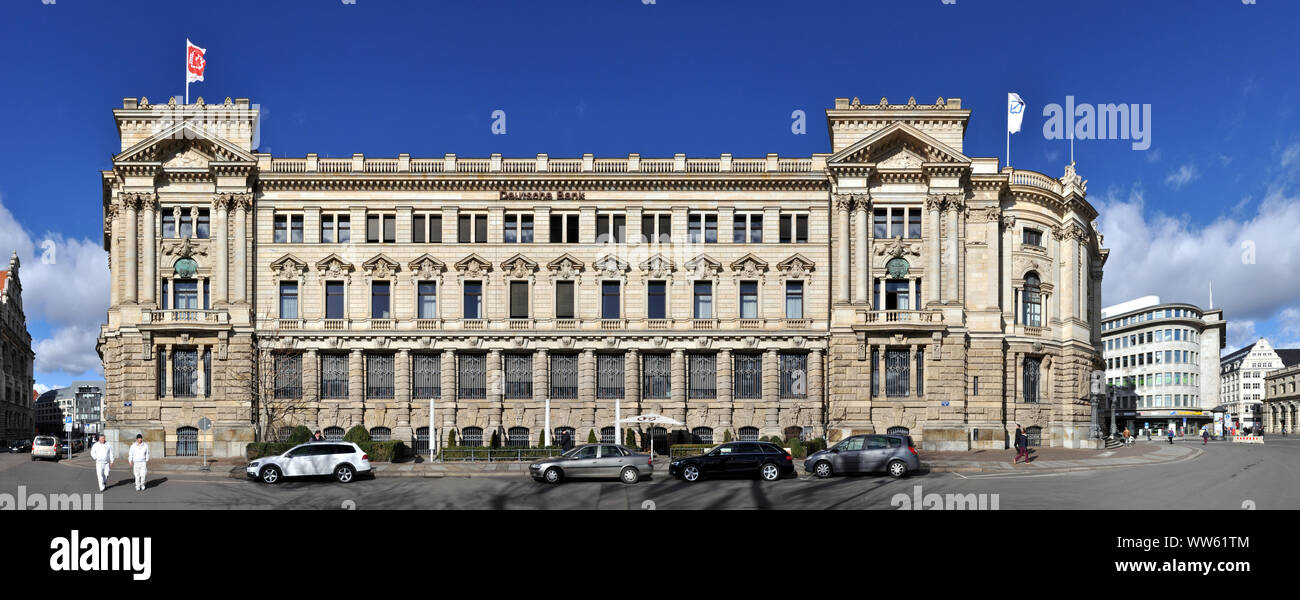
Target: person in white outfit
103, 455
139, 459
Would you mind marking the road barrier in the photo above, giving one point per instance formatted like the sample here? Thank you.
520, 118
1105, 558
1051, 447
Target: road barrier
1248, 439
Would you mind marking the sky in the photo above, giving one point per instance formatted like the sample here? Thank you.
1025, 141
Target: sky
1211, 195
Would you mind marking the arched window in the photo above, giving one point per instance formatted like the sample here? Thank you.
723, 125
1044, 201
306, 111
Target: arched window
471, 437
703, 435
381, 434
1035, 435
333, 434
898, 430
1032, 300
748, 434
187, 441
517, 437
421, 440
560, 432
607, 435
284, 433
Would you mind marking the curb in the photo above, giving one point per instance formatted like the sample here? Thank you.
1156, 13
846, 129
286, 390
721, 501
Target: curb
941, 468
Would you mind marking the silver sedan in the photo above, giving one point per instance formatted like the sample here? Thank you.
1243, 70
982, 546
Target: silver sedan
594, 461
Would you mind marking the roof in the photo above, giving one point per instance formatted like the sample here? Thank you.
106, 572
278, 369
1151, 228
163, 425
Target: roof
1289, 356
1238, 353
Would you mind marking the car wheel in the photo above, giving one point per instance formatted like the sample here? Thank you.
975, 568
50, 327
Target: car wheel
691, 473
897, 468
629, 475
769, 472
344, 473
822, 469
553, 475
270, 475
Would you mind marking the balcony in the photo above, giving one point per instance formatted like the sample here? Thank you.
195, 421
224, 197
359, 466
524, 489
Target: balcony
796, 323
336, 325
521, 324
751, 323
659, 324
186, 317
473, 324
709, 324
382, 324
925, 320
613, 324
566, 324
428, 324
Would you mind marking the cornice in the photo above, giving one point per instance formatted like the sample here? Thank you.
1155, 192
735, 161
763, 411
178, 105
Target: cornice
817, 181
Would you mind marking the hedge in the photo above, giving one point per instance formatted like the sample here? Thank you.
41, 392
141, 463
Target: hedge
257, 450
464, 452
300, 435
357, 434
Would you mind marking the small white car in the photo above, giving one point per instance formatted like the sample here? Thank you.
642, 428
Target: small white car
343, 460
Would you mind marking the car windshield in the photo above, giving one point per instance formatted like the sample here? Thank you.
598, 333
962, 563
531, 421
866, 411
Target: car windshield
572, 451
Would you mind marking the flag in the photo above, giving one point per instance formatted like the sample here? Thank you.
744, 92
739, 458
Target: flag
1015, 112
194, 62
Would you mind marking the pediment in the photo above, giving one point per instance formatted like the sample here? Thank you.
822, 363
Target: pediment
798, 260
749, 263
658, 265
184, 144
563, 261
426, 261
473, 264
610, 264
898, 146
380, 266
514, 261
704, 266
288, 260
333, 266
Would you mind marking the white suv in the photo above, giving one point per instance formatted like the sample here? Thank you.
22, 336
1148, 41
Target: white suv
341, 459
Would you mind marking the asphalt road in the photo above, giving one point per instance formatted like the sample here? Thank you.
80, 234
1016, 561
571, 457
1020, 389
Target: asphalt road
1225, 476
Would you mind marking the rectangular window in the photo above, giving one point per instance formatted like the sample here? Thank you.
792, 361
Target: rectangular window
418, 229
345, 229
611, 228
609, 375
187, 294
327, 229
427, 299
656, 376
610, 307
564, 228
1031, 368
914, 223
288, 300
920, 372
747, 227
656, 300
747, 376
381, 229
473, 300
518, 229
564, 300
165, 295
472, 229
162, 372
794, 299
380, 300
379, 376
564, 376
518, 299
898, 373
281, 229
1032, 237
794, 375
794, 229
702, 228
203, 230
426, 376
880, 227
656, 228
702, 375
435, 229
168, 225
519, 376
334, 307
749, 299
471, 381
187, 223
703, 300
896, 217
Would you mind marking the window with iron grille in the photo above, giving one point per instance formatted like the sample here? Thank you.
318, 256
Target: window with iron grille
288, 375
875, 372
794, 375
920, 371
748, 376
381, 434
185, 373
517, 437
703, 435
472, 437
379, 376
748, 434
607, 435
162, 372
333, 376
609, 375
426, 376
897, 430
187, 441
564, 375
1031, 369
333, 434
1035, 435
519, 375
656, 376
421, 444
283, 434
897, 373
702, 371
472, 379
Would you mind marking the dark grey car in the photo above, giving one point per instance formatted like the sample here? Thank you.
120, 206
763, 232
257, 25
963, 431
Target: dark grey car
594, 461
868, 453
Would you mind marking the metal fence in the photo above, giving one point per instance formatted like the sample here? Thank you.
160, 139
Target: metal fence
498, 454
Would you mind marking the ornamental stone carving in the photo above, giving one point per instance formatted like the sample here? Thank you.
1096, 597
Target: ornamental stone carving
519, 267
704, 267
380, 267
333, 266
610, 266
658, 266
565, 266
992, 214
426, 268
897, 248
185, 248
749, 266
233, 199
1008, 222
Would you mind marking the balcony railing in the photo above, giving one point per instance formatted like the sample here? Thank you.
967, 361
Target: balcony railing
428, 324
613, 324
336, 325
659, 324
218, 317
634, 163
903, 316
518, 324
704, 323
473, 324
751, 323
796, 323
382, 324
566, 323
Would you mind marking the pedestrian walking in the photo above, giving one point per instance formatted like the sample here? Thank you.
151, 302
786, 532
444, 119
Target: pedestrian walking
103, 455
1022, 446
138, 456
1170, 433
1205, 435
316, 437
1148, 434
1128, 437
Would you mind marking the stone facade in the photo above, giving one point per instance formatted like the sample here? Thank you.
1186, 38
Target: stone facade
744, 309
17, 419
1282, 400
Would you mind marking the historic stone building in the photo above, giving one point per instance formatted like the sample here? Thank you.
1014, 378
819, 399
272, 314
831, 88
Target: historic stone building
891, 283
1282, 400
17, 421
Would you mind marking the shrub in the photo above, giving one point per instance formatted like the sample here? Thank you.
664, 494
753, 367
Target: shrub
300, 435
383, 451
591, 436
496, 440
356, 435
631, 439
257, 450
541, 439
451, 438
726, 436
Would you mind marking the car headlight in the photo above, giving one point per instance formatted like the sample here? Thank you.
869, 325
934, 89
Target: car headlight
253, 464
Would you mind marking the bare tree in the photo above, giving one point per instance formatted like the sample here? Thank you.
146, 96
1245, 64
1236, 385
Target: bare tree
274, 384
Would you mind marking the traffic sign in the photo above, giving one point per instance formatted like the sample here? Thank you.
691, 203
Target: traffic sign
205, 423
67, 420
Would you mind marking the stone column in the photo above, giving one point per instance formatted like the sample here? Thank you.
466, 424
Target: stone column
631, 390
447, 399
1069, 274
402, 390
1008, 302
542, 389
220, 232
933, 270
911, 371
772, 389
356, 387
726, 388
198, 352
816, 384
994, 257
113, 222
132, 262
149, 256
311, 384
168, 372
587, 387
679, 381
495, 391
241, 249
862, 246
952, 276
843, 205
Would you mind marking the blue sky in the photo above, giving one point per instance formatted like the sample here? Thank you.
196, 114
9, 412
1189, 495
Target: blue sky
617, 76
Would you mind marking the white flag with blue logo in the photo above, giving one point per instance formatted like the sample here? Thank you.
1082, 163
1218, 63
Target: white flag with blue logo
1015, 112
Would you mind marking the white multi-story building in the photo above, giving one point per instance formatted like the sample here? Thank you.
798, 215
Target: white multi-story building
1161, 362
1242, 373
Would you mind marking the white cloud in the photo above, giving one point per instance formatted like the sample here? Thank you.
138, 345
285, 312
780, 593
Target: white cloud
1153, 156
1182, 176
68, 290
1291, 156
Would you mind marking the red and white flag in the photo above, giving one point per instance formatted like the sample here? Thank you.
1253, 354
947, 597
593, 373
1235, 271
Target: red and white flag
194, 62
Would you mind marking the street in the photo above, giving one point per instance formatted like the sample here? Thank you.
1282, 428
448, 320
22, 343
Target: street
1224, 476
